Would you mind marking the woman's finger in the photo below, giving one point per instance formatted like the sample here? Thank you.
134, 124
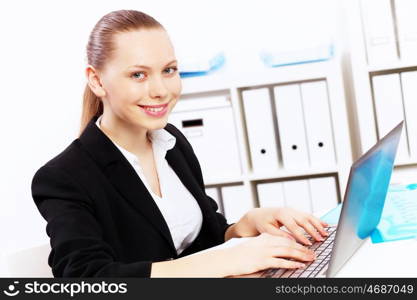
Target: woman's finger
279, 242
309, 228
317, 223
277, 263
290, 252
271, 229
296, 230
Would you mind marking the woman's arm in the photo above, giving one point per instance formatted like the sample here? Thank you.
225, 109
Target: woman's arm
207, 264
78, 247
260, 253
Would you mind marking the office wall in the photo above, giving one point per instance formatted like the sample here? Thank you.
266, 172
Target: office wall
42, 56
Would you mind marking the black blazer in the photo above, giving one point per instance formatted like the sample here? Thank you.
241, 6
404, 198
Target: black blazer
101, 219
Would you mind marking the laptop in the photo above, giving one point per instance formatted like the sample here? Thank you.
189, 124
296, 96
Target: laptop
361, 211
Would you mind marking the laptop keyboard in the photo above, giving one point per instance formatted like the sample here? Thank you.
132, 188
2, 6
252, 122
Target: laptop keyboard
322, 249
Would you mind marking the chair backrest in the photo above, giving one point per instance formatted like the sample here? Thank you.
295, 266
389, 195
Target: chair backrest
30, 262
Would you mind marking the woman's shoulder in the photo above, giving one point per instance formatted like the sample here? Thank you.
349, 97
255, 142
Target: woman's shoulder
61, 178
67, 156
68, 160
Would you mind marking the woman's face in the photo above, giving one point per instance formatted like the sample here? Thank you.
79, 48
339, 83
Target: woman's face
141, 80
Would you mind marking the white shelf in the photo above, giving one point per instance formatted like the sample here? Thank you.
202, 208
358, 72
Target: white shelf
286, 74
216, 81
393, 66
277, 175
280, 174
288, 174
362, 106
224, 79
407, 163
224, 180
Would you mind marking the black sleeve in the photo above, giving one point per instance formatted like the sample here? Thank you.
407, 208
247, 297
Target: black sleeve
190, 156
220, 218
78, 249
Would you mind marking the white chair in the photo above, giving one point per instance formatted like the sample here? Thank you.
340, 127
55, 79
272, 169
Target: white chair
30, 262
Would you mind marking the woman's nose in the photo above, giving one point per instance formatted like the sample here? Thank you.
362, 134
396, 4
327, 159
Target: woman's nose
157, 88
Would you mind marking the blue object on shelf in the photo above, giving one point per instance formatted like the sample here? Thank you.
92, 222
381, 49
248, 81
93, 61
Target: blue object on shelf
295, 57
332, 217
201, 68
399, 217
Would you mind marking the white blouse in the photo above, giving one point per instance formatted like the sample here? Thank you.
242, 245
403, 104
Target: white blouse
178, 206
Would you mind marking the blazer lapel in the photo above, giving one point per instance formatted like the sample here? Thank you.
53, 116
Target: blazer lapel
124, 178
180, 166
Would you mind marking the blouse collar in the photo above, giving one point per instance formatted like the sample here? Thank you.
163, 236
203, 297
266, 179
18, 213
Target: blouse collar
159, 137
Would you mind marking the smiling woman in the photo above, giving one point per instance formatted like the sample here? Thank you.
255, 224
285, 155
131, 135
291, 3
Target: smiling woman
127, 197
138, 78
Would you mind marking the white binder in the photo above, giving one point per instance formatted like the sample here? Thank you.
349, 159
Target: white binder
318, 124
208, 124
260, 128
236, 202
271, 194
389, 109
323, 194
297, 195
379, 31
407, 28
214, 193
409, 86
291, 128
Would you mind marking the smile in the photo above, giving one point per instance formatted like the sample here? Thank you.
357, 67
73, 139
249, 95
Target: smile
155, 110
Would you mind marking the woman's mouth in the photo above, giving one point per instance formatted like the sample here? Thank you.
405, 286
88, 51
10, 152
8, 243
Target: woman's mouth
155, 110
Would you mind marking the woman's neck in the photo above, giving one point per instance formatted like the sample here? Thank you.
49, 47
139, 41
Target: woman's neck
133, 139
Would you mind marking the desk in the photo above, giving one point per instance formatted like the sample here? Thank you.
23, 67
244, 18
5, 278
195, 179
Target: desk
389, 259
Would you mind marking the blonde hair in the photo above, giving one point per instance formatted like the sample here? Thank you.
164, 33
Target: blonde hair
100, 46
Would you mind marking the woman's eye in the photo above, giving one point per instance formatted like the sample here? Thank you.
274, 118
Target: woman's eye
138, 75
171, 70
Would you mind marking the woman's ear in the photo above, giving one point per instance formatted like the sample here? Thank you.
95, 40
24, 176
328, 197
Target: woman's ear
93, 80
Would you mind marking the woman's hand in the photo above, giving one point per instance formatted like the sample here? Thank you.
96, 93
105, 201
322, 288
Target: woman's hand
270, 220
259, 253
266, 251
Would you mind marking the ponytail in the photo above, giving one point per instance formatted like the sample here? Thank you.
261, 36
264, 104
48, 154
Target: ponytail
92, 106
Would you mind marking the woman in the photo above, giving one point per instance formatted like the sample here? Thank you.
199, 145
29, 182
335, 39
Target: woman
127, 197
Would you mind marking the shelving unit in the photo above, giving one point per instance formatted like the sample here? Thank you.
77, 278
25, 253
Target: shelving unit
364, 70
231, 86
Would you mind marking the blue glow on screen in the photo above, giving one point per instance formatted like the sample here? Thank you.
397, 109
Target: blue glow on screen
369, 185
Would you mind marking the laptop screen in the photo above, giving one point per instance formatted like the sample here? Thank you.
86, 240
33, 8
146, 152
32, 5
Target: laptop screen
364, 198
